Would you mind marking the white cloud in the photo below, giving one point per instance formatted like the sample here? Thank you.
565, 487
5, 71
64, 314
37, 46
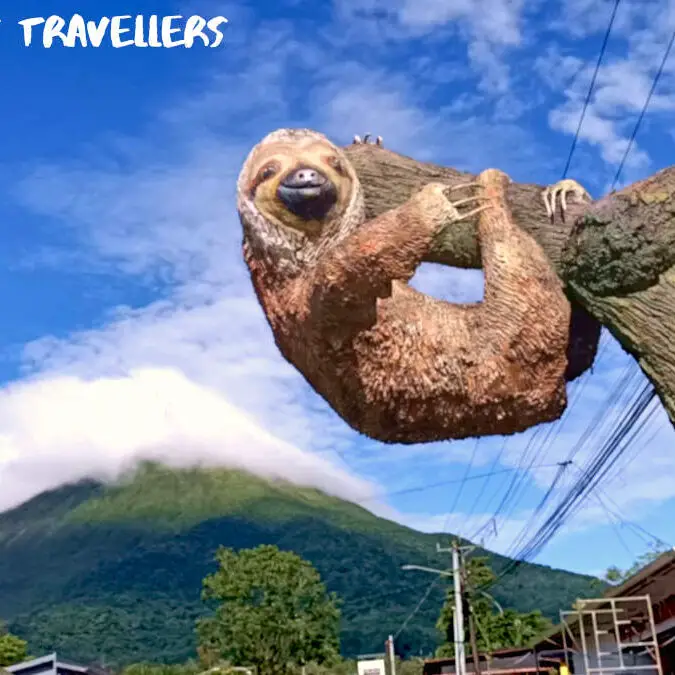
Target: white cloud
636, 48
58, 429
489, 28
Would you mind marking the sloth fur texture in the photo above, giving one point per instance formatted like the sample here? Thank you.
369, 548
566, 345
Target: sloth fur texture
394, 363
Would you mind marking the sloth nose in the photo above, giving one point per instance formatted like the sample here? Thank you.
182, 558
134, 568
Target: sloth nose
307, 193
304, 177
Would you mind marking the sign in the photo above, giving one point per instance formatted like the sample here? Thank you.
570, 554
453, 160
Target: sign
371, 667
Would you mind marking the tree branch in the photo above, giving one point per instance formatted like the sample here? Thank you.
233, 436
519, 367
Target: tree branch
616, 256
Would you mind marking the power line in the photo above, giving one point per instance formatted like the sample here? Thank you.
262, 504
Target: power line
611, 449
544, 500
596, 470
422, 600
554, 430
647, 536
469, 466
442, 483
518, 477
493, 466
604, 459
614, 522
590, 88
512, 488
644, 110
417, 488
518, 480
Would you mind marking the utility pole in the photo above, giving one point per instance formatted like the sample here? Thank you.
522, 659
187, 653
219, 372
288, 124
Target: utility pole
392, 656
460, 656
458, 618
474, 644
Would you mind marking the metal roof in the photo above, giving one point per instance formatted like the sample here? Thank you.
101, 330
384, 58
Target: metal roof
45, 660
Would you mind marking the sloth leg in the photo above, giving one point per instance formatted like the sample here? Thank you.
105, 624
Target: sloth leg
562, 189
525, 315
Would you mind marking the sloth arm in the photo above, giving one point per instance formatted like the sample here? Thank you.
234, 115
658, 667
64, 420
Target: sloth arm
362, 267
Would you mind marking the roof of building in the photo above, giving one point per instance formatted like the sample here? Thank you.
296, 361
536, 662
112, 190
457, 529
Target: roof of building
654, 580
497, 653
646, 577
520, 659
46, 660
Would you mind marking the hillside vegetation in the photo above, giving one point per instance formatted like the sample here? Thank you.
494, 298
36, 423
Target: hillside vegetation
114, 573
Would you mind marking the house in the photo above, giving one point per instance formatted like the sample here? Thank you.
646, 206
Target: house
630, 630
522, 661
52, 665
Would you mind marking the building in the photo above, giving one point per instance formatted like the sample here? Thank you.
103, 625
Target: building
628, 631
523, 661
631, 629
52, 665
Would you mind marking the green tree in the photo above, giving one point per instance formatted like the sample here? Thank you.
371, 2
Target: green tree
274, 612
12, 648
494, 629
614, 575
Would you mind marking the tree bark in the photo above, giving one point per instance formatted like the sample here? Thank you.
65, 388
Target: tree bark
615, 256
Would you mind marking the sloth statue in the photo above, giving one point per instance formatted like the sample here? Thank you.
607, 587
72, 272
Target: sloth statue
395, 364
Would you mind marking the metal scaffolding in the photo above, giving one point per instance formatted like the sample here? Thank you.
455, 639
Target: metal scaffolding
612, 635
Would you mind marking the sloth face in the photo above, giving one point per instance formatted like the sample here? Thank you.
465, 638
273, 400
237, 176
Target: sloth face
300, 185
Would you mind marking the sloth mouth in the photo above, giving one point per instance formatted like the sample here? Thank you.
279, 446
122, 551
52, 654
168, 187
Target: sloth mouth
307, 193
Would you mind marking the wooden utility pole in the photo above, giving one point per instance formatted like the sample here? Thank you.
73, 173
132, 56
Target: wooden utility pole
392, 655
474, 644
458, 614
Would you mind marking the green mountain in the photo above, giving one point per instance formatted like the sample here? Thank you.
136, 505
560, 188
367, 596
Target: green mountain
114, 573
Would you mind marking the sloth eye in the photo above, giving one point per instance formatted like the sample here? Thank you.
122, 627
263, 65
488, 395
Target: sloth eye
335, 163
264, 174
267, 172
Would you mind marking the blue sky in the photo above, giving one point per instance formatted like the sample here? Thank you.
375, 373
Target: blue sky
130, 329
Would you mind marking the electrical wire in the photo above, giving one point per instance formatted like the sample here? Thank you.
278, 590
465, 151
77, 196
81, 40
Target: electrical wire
493, 467
422, 600
606, 458
609, 453
544, 500
417, 488
594, 426
612, 448
601, 463
647, 390
647, 393
590, 88
518, 476
469, 466
553, 430
643, 111
443, 483
611, 518
647, 536
639, 449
